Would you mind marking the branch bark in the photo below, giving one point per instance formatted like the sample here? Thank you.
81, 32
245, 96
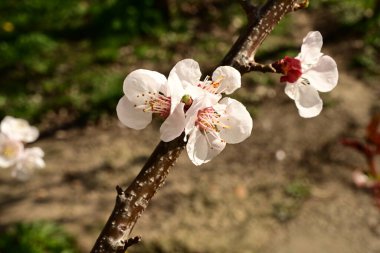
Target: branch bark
131, 202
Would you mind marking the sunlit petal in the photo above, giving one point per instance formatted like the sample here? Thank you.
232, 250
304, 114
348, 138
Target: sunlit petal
130, 116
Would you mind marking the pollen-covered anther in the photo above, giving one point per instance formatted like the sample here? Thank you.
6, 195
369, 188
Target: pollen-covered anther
157, 104
209, 120
211, 86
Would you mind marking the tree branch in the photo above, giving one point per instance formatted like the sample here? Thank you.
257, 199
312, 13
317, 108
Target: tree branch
242, 54
131, 202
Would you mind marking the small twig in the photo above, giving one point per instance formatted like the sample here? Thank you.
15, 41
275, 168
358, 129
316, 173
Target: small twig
131, 241
265, 68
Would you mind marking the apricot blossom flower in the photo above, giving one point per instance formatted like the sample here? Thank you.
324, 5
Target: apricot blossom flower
145, 93
13, 134
211, 125
188, 104
310, 72
18, 129
149, 92
29, 160
10, 151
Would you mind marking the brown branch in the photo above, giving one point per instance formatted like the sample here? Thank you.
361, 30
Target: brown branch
242, 54
131, 202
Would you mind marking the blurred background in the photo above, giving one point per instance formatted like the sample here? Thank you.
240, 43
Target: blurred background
62, 64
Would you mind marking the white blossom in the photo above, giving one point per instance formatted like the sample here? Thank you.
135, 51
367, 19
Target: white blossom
319, 73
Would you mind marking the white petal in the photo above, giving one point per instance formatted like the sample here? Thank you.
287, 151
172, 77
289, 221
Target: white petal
308, 102
174, 125
174, 90
130, 116
19, 129
197, 93
188, 72
230, 79
140, 84
311, 48
10, 151
237, 119
31, 159
34, 157
202, 148
291, 90
324, 75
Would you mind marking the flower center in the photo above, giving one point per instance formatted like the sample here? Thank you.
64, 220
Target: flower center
208, 120
158, 104
291, 68
10, 150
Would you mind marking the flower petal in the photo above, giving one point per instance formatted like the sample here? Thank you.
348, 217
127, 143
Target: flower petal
174, 125
229, 79
19, 129
130, 116
324, 75
201, 148
308, 102
32, 158
311, 48
188, 72
10, 151
291, 90
141, 84
175, 90
237, 120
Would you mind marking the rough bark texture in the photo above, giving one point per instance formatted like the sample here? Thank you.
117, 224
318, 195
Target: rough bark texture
131, 202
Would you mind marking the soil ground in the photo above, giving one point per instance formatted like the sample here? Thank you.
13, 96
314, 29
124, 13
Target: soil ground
239, 202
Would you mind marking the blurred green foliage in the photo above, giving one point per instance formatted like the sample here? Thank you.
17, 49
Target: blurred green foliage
36, 237
358, 21
74, 54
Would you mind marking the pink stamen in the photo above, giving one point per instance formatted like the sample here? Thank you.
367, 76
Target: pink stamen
209, 121
158, 104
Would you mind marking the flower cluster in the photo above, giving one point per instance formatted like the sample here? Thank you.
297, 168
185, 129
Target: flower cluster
310, 72
187, 104
23, 161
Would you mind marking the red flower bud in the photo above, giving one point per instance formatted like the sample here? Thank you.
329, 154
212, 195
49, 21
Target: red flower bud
291, 68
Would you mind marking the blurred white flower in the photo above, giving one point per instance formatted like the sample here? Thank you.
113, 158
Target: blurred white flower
29, 160
10, 151
319, 73
23, 161
362, 180
18, 129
